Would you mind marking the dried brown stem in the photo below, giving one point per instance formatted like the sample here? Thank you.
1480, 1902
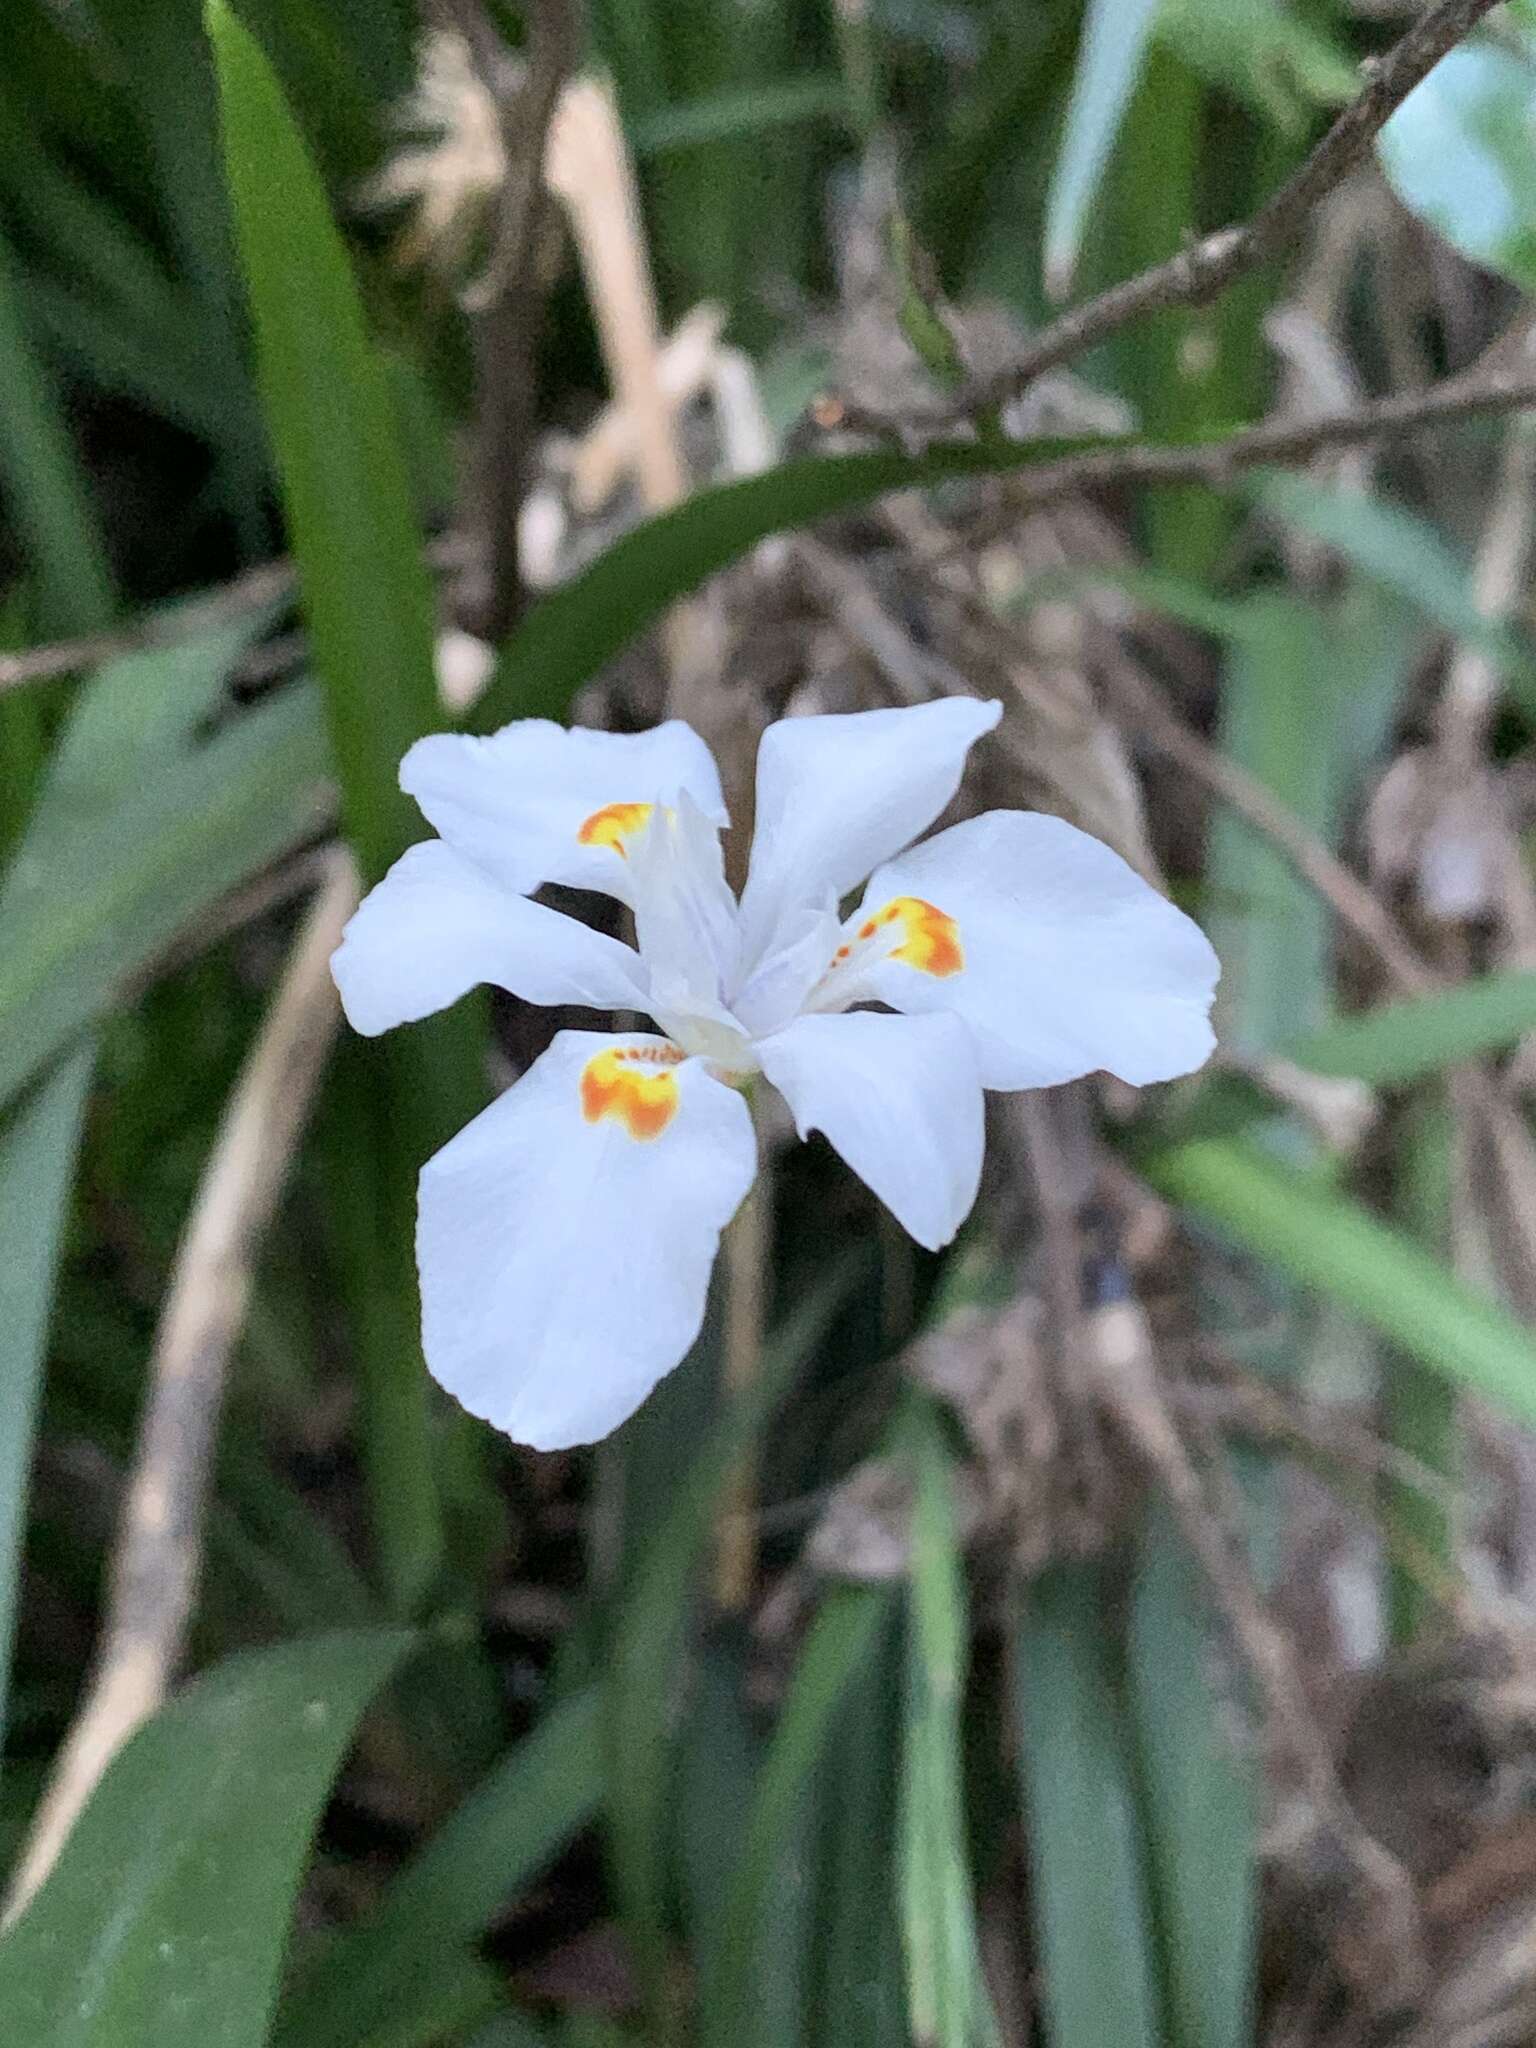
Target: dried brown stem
508, 306
1278, 441
159, 1547
1201, 272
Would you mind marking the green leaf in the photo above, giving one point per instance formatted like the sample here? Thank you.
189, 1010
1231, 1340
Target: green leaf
388, 1968
574, 631
947, 2000
1335, 1246
1405, 553
164, 1921
362, 572
78, 927
844, 1634
1198, 1795
1264, 54
43, 482
37, 1159
737, 116
1399, 1043
1088, 1893
1109, 59
649, 1644
1458, 154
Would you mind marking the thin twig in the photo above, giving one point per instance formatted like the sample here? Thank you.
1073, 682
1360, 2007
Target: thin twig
156, 1562
1201, 272
1278, 441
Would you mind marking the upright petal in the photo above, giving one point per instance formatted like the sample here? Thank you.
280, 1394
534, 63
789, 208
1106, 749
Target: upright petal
1055, 953
899, 1099
539, 802
437, 925
565, 1237
836, 795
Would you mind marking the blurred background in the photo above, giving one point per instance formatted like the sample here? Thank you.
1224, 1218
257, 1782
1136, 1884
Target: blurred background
1114, 1632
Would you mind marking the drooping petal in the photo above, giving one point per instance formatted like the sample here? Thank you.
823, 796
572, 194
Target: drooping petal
539, 802
899, 1099
837, 795
565, 1237
437, 925
1057, 955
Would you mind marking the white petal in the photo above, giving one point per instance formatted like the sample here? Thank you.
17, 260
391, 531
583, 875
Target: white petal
516, 803
899, 1099
1072, 963
437, 925
565, 1263
837, 795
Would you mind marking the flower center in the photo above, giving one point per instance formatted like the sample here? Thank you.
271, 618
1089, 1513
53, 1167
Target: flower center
630, 1084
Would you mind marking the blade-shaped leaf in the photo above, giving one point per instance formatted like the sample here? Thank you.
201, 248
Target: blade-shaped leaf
1099, 1970
37, 1159
362, 573
1332, 1244
164, 1921
570, 635
1110, 51
77, 928
1398, 1043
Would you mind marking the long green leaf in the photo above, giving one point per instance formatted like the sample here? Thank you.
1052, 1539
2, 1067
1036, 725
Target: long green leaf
1333, 1245
77, 928
388, 1968
43, 482
1399, 1043
1110, 52
847, 1626
37, 1158
575, 630
1095, 1936
947, 2000
164, 1921
362, 572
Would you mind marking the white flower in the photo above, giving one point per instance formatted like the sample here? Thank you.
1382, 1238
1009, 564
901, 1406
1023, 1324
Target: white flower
565, 1238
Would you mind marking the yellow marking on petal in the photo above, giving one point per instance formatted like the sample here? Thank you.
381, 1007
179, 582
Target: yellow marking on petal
620, 1083
613, 825
932, 942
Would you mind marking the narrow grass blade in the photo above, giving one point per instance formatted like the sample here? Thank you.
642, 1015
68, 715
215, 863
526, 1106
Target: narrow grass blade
389, 1967
647, 1656
947, 2000
43, 482
1398, 1043
575, 630
847, 1626
1088, 1888
1112, 44
164, 1921
76, 929
1199, 1797
1332, 1244
37, 1160
364, 581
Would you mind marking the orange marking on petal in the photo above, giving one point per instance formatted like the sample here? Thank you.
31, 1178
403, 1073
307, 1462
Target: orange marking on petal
645, 1103
613, 825
932, 942
868, 929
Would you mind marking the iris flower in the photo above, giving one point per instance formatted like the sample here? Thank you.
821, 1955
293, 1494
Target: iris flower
565, 1237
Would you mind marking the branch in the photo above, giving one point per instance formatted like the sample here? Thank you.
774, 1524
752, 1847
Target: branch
1203, 271
1220, 462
